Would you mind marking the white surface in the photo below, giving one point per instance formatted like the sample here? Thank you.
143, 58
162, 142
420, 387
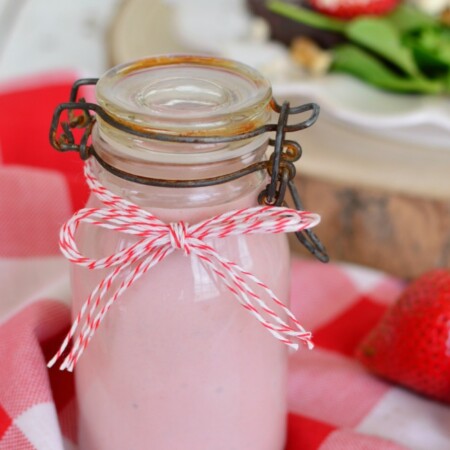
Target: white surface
40, 425
395, 417
42, 35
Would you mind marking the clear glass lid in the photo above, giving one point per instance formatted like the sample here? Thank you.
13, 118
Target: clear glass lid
186, 95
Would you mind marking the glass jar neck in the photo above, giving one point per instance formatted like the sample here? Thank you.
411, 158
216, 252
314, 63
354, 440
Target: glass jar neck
188, 96
175, 161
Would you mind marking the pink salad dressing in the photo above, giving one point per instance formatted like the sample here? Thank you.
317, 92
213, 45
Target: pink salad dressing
178, 364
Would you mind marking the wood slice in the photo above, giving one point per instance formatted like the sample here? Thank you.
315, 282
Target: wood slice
384, 203
402, 234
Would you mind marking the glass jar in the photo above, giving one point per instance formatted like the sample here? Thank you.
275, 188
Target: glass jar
177, 364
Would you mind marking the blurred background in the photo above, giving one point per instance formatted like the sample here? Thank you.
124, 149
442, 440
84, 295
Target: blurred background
376, 165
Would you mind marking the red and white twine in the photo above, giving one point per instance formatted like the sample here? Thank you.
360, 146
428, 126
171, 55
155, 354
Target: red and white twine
156, 241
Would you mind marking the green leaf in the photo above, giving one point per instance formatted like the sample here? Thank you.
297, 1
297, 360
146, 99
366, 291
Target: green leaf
380, 36
406, 18
407, 40
376, 34
356, 61
435, 43
306, 16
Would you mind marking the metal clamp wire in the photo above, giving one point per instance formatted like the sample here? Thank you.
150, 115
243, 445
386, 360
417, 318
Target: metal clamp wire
280, 166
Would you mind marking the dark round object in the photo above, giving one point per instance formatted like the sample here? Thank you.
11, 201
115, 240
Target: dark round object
285, 30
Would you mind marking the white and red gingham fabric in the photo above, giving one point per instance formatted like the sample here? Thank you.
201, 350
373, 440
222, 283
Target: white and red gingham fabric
334, 403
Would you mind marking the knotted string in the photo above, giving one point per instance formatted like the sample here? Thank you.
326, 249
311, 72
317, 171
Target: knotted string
156, 241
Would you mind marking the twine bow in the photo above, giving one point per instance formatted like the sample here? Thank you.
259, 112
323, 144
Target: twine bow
157, 240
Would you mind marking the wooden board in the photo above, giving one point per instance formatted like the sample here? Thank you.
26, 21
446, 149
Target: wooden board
399, 233
383, 203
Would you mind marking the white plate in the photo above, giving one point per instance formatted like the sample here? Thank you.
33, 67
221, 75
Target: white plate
204, 26
419, 119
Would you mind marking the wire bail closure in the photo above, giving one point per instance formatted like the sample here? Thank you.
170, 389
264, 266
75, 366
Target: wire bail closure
280, 166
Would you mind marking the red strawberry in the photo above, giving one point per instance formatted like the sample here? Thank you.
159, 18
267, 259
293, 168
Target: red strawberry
411, 344
348, 9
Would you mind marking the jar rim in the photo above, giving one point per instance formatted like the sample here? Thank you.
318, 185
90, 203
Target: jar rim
186, 95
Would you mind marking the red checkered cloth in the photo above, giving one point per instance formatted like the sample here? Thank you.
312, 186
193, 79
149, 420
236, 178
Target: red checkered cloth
333, 402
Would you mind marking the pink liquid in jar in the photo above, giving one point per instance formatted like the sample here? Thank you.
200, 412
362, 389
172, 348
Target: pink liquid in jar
178, 363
